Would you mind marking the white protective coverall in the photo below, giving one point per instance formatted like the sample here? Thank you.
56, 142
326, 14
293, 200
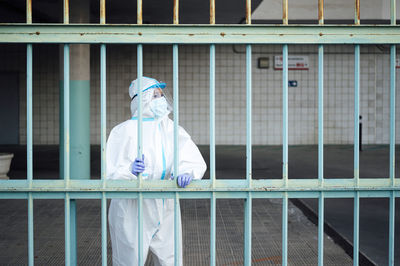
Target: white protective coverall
158, 214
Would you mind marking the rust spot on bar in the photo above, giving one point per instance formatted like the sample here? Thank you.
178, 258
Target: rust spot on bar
82, 34
29, 11
285, 12
37, 33
222, 34
321, 12
191, 34
320, 34
212, 12
357, 14
248, 12
66, 11
102, 11
139, 12
140, 34
176, 12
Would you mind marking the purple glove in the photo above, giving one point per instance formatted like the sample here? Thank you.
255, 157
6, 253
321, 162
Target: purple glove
184, 180
138, 166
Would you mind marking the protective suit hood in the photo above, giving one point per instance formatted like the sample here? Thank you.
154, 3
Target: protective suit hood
148, 85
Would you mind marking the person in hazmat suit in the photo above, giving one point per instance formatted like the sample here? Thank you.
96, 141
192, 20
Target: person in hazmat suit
156, 164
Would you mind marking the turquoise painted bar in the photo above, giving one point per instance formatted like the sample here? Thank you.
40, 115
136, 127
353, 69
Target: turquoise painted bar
321, 153
200, 34
247, 228
175, 58
213, 207
103, 111
177, 218
140, 151
29, 150
221, 185
200, 194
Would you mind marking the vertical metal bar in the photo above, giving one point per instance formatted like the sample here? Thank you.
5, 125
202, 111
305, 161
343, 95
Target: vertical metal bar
356, 228
67, 215
212, 114
140, 148
29, 135
284, 228
139, 12
212, 141
392, 112
29, 142
391, 227
175, 55
176, 230
321, 12
357, 12
356, 112
175, 63
356, 151
28, 11
212, 12
285, 9
285, 151
393, 12
140, 111
248, 12
29, 58
248, 116
66, 156
140, 229
176, 12
392, 149
321, 113
103, 111
213, 208
321, 229
321, 152
247, 229
66, 115
285, 114
66, 13
103, 229
102, 11
30, 230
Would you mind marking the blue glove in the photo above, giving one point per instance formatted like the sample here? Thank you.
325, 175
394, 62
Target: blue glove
184, 180
138, 166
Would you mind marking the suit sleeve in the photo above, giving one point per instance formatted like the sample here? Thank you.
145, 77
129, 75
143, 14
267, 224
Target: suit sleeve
119, 155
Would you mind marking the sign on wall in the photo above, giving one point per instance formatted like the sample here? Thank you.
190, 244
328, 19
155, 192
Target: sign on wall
296, 62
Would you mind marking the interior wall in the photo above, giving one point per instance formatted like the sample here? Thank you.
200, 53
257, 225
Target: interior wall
230, 92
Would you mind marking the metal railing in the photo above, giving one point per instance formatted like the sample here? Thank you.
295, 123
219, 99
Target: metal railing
213, 188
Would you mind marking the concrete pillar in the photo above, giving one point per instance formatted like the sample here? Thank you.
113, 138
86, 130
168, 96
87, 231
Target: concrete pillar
79, 111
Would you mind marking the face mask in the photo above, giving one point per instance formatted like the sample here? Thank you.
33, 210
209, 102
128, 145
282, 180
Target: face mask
159, 107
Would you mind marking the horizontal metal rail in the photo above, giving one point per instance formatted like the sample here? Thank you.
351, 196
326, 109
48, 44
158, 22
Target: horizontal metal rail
200, 34
219, 185
199, 194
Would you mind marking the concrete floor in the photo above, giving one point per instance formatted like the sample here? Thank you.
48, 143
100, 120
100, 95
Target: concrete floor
303, 163
266, 235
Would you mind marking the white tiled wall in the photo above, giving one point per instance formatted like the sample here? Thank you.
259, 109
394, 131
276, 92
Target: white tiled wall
230, 92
